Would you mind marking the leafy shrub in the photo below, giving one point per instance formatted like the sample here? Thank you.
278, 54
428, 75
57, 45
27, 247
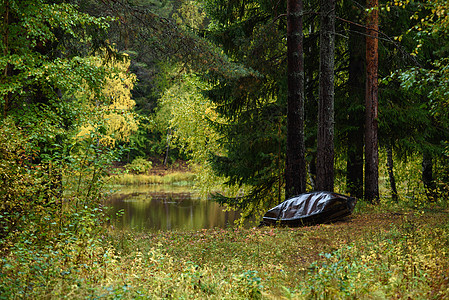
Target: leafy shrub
20, 185
50, 214
139, 166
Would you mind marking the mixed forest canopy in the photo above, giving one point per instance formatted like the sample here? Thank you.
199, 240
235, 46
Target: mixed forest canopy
266, 99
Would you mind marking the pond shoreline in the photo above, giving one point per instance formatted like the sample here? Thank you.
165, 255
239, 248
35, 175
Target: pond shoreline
150, 208
178, 173
175, 178
158, 167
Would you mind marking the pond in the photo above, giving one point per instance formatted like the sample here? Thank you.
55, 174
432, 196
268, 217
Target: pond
157, 207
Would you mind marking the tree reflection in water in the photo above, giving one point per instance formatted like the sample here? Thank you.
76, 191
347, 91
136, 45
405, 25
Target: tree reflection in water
152, 210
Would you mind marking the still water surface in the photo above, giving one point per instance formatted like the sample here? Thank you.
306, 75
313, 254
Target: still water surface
152, 208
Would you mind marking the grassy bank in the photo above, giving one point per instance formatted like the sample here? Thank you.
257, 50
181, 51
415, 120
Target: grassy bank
180, 178
376, 255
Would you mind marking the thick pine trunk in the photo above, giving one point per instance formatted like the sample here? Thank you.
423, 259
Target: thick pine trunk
356, 111
295, 168
371, 104
325, 144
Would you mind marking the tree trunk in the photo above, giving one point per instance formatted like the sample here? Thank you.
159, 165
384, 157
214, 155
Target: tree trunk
295, 168
356, 110
167, 150
371, 103
325, 144
427, 176
394, 191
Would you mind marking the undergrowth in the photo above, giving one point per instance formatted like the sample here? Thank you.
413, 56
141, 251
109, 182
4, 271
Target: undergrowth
374, 254
406, 260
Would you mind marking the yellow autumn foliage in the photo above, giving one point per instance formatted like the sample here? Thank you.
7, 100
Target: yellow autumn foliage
112, 109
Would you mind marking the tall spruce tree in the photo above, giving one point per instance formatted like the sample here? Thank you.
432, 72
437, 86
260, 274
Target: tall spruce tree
251, 33
356, 96
410, 97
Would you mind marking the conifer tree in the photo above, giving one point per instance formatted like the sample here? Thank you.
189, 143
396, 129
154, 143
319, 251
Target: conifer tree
356, 96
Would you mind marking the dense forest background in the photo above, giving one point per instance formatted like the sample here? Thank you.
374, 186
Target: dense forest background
212, 88
91, 84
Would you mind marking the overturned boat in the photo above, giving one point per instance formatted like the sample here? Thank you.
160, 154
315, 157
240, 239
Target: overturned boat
310, 208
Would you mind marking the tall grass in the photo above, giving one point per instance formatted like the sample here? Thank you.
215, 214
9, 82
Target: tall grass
379, 255
180, 178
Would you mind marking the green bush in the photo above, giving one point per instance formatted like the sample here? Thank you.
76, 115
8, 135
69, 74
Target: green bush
51, 218
139, 166
21, 187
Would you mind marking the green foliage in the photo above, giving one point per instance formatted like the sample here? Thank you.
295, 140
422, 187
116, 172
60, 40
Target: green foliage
189, 115
51, 187
48, 252
18, 185
398, 262
414, 92
89, 161
230, 119
26, 56
381, 254
251, 107
50, 215
249, 285
190, 15
139, 166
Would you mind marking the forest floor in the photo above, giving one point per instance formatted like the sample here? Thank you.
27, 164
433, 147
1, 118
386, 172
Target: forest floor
380, 252
387, 251
375, 254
